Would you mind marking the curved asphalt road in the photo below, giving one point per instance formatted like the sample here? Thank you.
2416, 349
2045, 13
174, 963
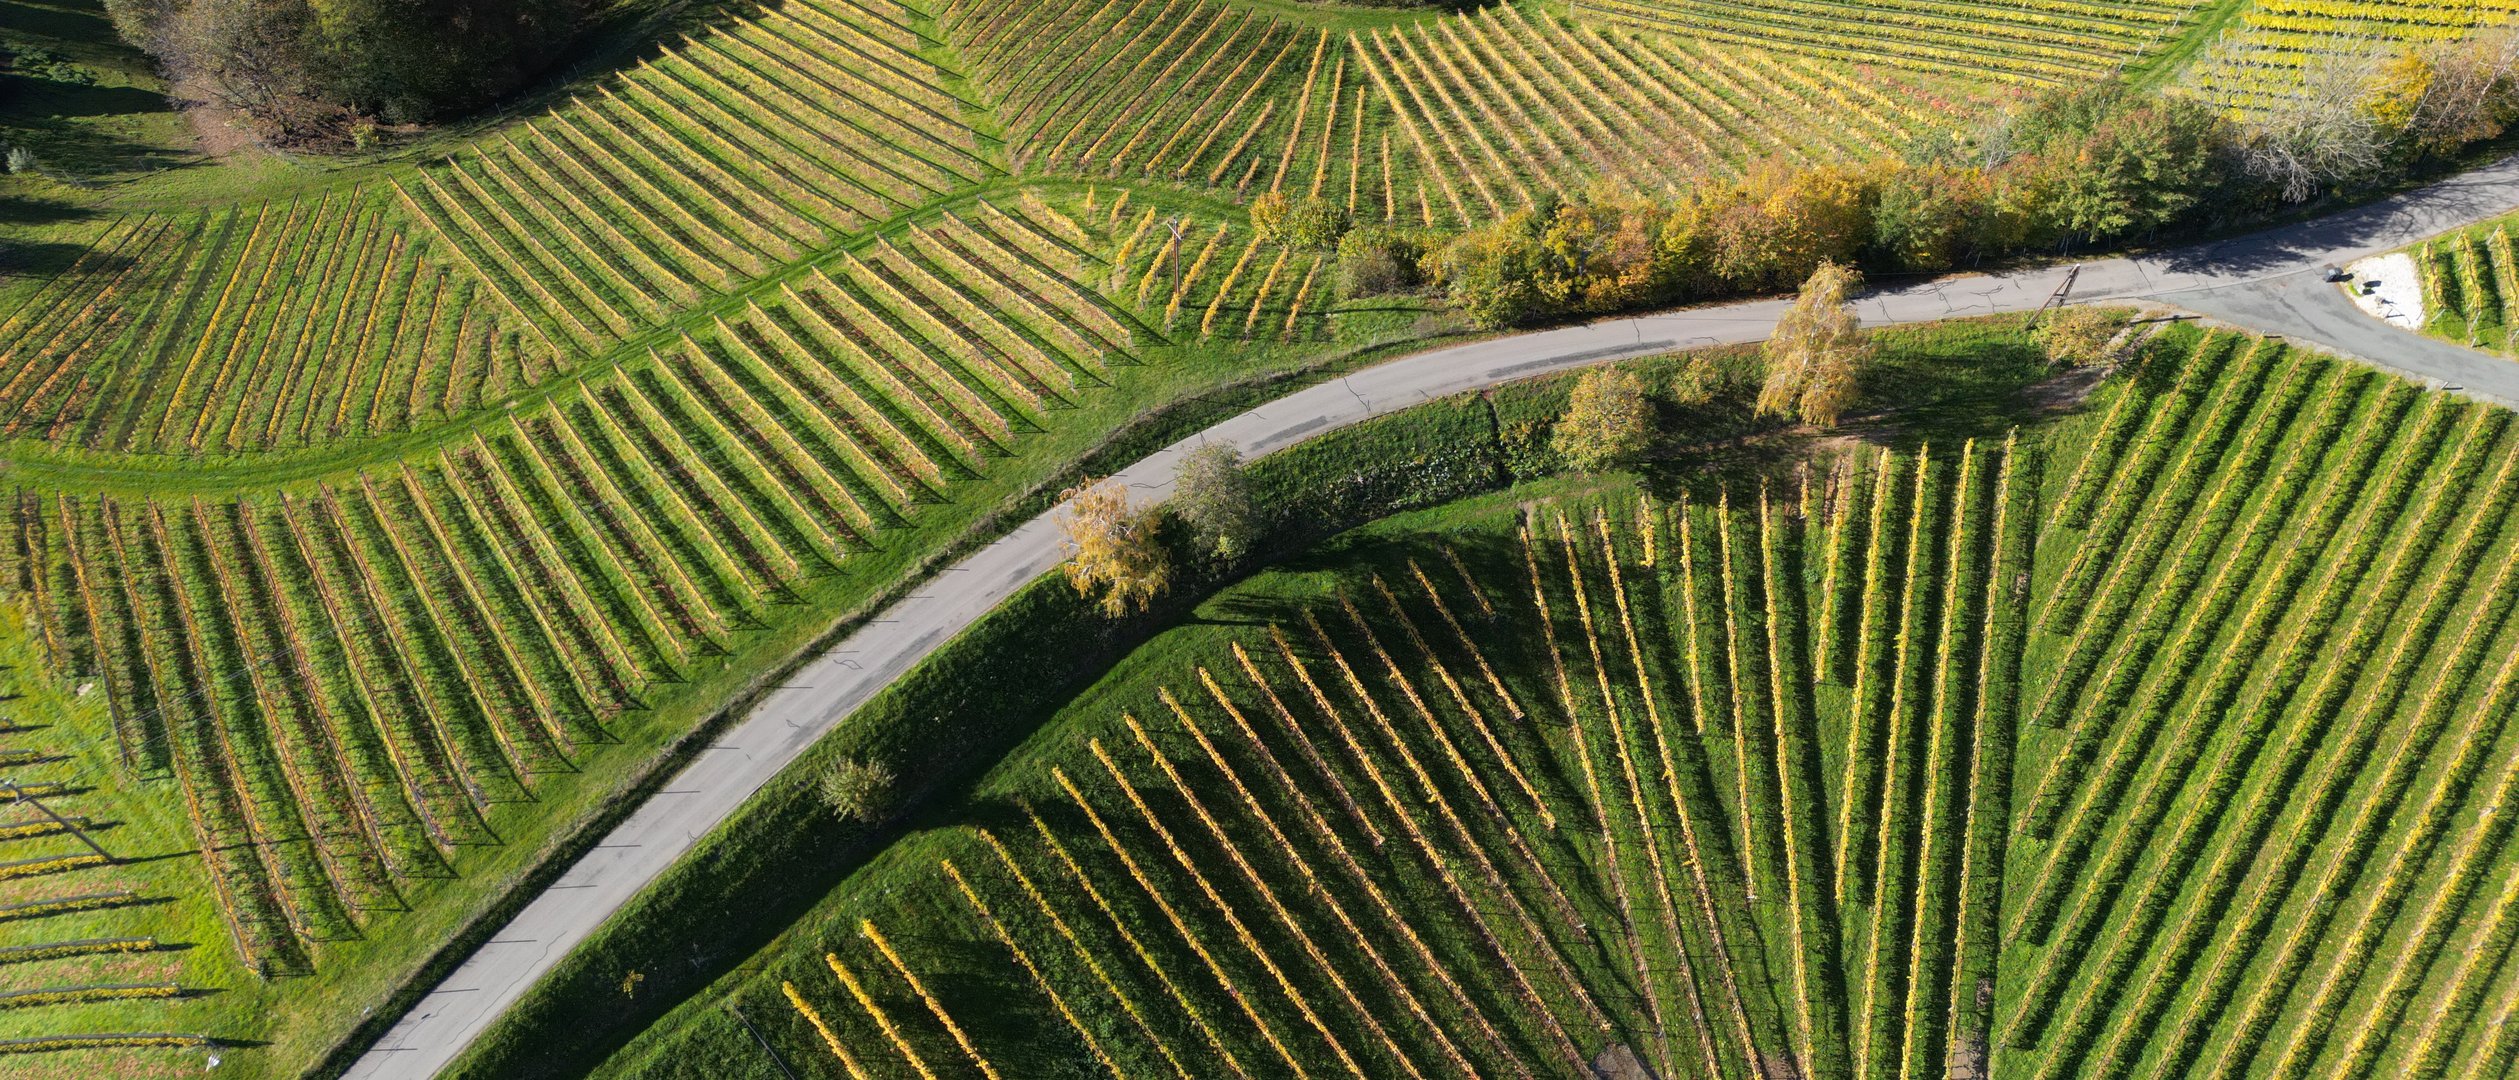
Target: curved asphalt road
2269, 282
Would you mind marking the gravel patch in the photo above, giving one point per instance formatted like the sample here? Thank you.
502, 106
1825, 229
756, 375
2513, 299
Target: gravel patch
2388, 288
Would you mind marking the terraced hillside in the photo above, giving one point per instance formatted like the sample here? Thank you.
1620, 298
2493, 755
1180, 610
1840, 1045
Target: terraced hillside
733, 154
427, 294
254, 327
2163, 740
358, 686
1450, 119
617, 451
376, 528
2037, 42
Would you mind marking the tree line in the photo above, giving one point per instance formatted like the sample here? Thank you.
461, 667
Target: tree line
1124, 554
316, 72
2076, 168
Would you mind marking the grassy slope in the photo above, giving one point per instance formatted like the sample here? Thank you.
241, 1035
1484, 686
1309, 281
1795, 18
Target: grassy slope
2161, 64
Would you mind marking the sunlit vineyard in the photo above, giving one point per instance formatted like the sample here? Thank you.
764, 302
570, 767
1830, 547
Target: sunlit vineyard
95, 941
1454, 119
644, 386
715, 167
372, 530
254, 327
373, 662
2159, 740
2262, 58
2040, 41
729, 155
2470, 286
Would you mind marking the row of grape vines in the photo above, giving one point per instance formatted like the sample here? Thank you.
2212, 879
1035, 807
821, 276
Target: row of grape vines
1456, 119
343, 678
254, 327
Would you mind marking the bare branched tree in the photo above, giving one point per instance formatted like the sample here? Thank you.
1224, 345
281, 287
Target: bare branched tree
2466, 90
2323, 133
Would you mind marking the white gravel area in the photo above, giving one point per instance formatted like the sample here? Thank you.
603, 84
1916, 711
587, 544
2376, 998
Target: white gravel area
2388, 288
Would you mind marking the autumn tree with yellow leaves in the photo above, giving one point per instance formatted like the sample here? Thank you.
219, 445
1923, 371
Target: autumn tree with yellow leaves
1114, 550
1607, 420
1815, 360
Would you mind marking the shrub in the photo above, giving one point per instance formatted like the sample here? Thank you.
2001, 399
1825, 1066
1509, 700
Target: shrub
1607, 420
860, 792
1709, 376
21, 161
1316, 224
1212, 495
1313, 223
1378, 260
1268, 216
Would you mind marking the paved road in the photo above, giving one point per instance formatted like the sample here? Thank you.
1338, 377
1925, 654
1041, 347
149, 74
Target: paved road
2266, 282
2303, 307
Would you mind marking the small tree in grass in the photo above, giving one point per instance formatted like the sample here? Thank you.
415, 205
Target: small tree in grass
1815, 360
1607, 420
857, 791
1113, 548
1212, 495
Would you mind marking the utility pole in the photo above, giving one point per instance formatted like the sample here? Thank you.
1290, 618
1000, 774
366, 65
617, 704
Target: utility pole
18, 794
1175, 225
2057, 299
757, 1037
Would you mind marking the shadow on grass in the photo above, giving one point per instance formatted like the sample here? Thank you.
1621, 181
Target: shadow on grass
43, 259
23, 210
73, 128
